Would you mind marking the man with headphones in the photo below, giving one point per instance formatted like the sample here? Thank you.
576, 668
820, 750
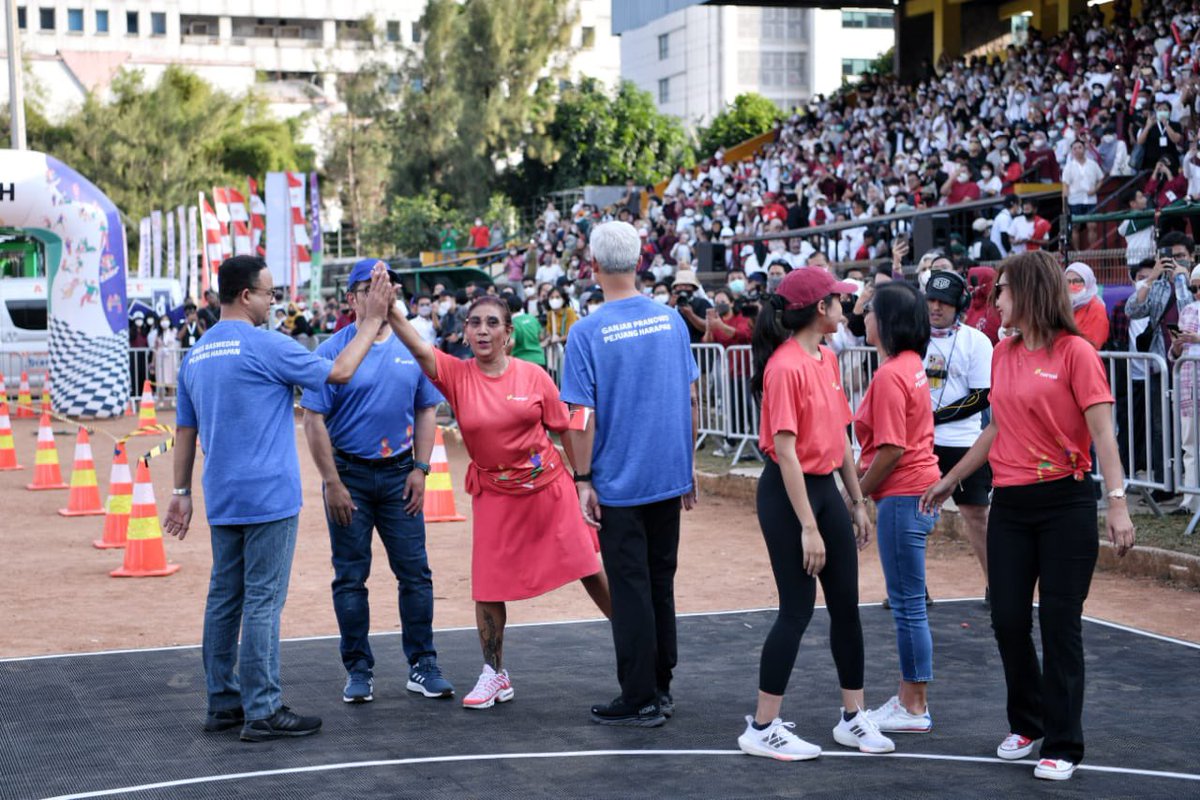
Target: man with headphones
958, 364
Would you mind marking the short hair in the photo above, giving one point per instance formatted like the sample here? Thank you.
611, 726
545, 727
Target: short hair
460, 297
616, 247
492, 300
419, 296
902, 318
189, 307
514, 305
1176, 238
237, 275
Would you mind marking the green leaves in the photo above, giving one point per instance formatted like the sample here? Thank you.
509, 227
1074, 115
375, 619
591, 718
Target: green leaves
749, 115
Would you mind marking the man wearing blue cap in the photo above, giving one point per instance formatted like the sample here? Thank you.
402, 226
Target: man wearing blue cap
371, 440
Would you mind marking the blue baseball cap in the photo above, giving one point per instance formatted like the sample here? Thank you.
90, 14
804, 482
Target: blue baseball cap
362, 271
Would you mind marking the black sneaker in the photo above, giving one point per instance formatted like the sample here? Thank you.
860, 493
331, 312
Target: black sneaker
987, 597
283, 723
928, 599
666, 704
619, 712
224, 720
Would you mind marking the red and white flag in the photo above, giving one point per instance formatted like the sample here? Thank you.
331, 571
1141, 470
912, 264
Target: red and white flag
214, 254
302, 258
221, 207
258, 219
239, 221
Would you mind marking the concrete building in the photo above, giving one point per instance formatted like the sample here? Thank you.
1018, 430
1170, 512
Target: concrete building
696, 58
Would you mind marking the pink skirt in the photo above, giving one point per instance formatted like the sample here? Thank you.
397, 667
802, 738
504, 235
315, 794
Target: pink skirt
526, 545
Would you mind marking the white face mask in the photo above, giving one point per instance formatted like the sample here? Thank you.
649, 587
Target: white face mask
662, 299
425, 311
444, 307
556, 303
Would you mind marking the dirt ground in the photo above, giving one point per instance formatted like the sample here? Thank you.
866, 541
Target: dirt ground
59, 598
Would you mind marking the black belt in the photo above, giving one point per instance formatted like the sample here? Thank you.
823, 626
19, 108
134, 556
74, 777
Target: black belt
374, 462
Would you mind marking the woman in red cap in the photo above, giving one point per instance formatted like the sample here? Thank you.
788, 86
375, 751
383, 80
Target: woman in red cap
809, 532
528, 535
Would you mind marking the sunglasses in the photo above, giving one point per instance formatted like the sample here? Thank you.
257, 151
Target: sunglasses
1000, 287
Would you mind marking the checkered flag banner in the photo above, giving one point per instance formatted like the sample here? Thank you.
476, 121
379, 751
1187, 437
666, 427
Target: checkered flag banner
91, 374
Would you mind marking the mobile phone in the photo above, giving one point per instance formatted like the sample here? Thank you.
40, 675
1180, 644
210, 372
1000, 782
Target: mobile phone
1166, 254
1173, 328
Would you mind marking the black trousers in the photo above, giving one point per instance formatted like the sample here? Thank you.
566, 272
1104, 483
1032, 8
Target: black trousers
798, 590
640, 549
1043, 535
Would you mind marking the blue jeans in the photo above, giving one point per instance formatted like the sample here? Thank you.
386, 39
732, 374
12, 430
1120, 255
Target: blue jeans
251, 566
901, 530
378, 493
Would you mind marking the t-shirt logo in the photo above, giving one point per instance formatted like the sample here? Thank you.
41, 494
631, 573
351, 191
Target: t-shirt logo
1041, 373
935, 369
518, 398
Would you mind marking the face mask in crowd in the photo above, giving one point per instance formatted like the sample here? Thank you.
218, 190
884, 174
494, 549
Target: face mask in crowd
425, 310
662, 298
556, 303
773, 282
737, 286
444, 308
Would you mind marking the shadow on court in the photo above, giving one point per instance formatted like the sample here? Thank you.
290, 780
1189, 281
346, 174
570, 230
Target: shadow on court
129, 724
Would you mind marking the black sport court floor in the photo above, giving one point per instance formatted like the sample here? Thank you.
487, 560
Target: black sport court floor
128, 723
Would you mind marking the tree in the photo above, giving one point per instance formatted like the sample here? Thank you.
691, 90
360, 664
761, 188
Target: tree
412, 224
749, 115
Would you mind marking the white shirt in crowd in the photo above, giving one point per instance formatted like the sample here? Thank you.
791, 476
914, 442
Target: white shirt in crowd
549, 273
1191, 171
1082, 180
1139, 244
1021, 228
424, 326
955, 364
1000, 225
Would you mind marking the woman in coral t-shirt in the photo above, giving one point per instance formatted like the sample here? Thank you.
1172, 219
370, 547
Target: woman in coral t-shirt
897, 465
807, 527
528, 535
1050, 401
1091, 315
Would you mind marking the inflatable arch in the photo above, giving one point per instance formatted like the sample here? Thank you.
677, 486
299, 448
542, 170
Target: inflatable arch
84, 242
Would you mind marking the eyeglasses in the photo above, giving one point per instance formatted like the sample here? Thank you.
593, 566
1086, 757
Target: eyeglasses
1000, 287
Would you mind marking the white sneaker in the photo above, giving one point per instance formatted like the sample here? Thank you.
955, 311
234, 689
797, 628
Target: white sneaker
777, 742
491, 688
861, 731
892, 717
1015, 747
1049, 769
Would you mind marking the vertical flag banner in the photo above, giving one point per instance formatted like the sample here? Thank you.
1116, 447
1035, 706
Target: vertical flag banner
181, 226
278, 228
195, 256
144, 248
239, 222
301, 258
214, 254
170, 245
314, 283
156, 243
221, 207
258, 219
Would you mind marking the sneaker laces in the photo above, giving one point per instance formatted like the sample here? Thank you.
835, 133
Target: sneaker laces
1013, 741
869, 725
429, 666
488, 683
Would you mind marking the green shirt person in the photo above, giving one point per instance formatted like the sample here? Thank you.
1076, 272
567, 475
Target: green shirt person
526, 335
449, 239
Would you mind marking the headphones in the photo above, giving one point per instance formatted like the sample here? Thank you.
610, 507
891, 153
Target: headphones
950, 284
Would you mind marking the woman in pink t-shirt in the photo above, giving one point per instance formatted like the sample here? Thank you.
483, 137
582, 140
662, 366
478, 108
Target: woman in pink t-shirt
897, 465
1050, 401
528, 534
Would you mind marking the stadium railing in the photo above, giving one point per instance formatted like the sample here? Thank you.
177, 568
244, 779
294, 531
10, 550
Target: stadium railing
1189, 440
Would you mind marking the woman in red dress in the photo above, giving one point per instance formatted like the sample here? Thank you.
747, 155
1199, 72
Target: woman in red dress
528, 535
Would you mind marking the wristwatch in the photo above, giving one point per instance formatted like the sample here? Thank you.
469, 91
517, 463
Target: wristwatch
421, 465
181, 492
1117, 494
585, 478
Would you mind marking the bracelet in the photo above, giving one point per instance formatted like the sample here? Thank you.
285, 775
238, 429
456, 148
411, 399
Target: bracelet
181, 492
862, 501
584, 478
422, 466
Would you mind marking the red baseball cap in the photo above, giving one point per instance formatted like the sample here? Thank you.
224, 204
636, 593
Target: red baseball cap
804, 286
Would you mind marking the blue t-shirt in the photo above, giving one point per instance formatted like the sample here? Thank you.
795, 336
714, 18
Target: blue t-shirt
372, 415
235, 387
631, 361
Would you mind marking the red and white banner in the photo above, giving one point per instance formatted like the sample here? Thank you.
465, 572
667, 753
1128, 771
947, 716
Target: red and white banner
258, 219
239, 221
301, 257
221, 207
214, 254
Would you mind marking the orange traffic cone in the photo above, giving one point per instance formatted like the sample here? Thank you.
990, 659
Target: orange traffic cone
439, 492
147, 418
3, 387
24, 399
120, 502
8, 454
84, 500
144, 554
46, 406
46, 474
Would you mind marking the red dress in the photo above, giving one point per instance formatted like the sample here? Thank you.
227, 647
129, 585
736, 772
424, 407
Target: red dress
529, 536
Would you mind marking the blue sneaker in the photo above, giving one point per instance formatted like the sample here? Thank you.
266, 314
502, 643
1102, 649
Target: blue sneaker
360, 687
426, 677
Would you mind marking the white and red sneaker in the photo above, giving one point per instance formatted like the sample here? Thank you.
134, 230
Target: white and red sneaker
491, 688
1051, 769
1015, 747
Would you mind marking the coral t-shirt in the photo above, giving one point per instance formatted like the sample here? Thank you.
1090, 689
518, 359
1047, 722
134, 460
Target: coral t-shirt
803, 395
1038, 399
897, 411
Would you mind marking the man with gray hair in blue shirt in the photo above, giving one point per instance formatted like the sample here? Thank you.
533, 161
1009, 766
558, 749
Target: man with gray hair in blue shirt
634, 470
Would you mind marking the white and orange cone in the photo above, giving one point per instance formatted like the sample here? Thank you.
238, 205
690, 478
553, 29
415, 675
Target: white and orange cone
24, 399
47, 407
144, 553
439, 491
120, 502
46, 474
84, 500
8, 453
147, 417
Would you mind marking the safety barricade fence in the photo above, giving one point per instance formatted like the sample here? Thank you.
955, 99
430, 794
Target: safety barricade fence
857, 366
554, 360
1187, 434
742, 410
1142, 421
712, 390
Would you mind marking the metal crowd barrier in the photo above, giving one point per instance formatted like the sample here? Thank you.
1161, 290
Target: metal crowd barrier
742, 413
713, 391
857, 365
1184, 379
1142, 420
554, 361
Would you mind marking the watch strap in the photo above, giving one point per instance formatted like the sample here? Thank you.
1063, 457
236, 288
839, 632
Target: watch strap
421, 465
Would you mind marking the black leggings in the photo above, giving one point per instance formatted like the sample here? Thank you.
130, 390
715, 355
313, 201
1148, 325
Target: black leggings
798, 591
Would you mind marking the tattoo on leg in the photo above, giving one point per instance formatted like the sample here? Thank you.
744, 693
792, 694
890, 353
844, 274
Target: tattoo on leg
491, 637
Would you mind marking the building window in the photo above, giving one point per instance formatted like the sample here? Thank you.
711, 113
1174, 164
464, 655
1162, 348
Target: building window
393, 31
46, 18
664, 46
22, 18
588, 37
879, 20
853, 67
75, 20
101, 21
158, 23
749, 22
797, 70
748, 68
416, 33
664, 90
131, 23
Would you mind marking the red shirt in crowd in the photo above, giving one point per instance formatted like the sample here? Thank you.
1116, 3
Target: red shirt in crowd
480, 236
1038, 399
773, 211
738, 364
1092, 320
895, 411
961, 192
803, 395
